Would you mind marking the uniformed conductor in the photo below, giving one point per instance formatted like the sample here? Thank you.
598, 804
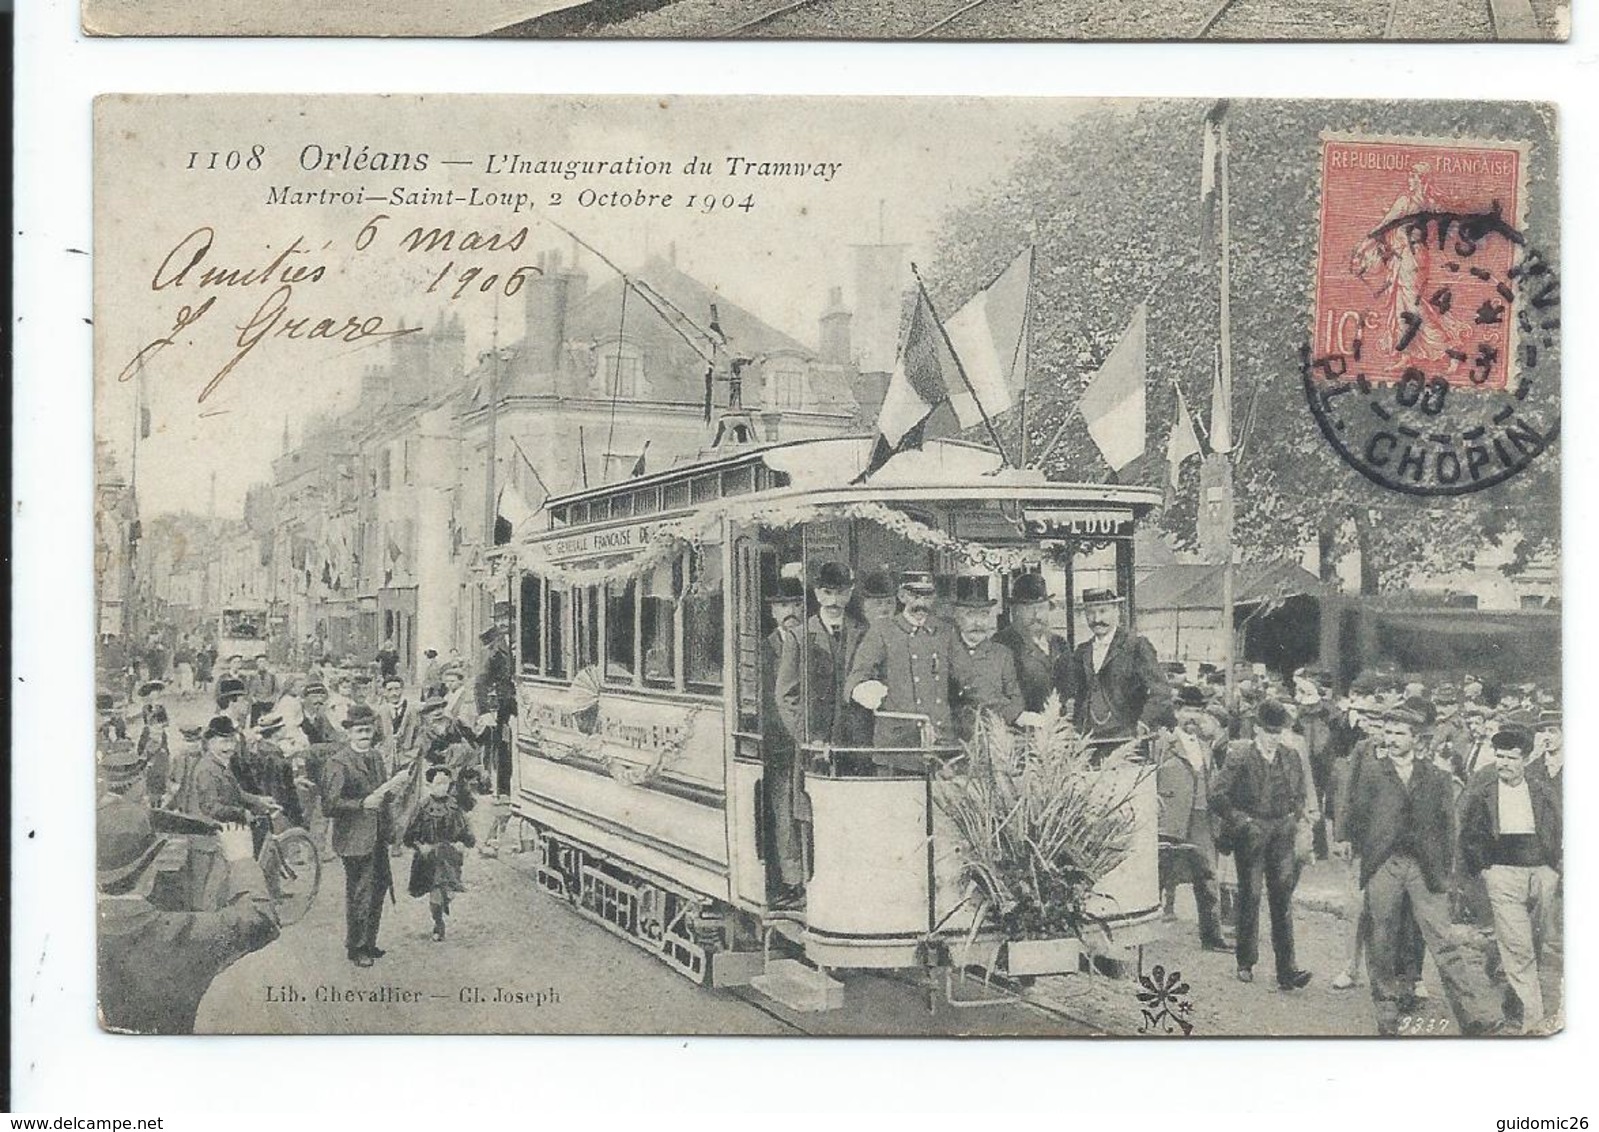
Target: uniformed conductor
354, 789
905, 664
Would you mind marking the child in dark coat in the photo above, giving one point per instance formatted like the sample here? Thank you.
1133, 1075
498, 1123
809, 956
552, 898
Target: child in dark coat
436, 831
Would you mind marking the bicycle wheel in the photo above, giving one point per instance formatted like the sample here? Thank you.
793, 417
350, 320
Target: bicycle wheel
294, 876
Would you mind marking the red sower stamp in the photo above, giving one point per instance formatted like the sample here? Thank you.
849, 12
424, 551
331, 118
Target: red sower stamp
1431, 311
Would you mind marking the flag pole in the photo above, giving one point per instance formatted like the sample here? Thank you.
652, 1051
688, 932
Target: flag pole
993, 434
1225, 439
1025, 342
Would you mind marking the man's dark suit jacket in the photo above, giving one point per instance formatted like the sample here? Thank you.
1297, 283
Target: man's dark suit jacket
1479, 817
1377, 819
1041, 674
348, 778
1131, 681
826, 715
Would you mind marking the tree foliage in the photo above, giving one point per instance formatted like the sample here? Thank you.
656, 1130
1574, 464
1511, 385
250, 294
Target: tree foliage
1112, 205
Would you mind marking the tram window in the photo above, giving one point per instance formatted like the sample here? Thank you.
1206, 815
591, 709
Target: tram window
702, 621
647, 501
621, 506
703, 489
532, 622
580, 512
658, 624
677, 495
557, 642
738, 481
586, 620
620, 602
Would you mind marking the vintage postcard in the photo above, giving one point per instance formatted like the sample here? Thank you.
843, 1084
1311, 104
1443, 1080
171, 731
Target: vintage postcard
1220, 20
630, 565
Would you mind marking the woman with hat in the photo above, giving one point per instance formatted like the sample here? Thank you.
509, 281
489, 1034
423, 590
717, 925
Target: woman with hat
155, 966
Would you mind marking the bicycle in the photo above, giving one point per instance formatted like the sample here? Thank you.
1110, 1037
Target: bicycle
293, 870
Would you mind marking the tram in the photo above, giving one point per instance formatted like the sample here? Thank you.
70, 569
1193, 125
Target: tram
643, 696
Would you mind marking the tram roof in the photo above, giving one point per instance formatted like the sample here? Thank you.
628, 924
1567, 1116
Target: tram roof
941, 469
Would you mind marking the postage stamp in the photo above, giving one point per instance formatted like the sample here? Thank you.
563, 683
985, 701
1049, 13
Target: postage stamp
624, 564
1430, 310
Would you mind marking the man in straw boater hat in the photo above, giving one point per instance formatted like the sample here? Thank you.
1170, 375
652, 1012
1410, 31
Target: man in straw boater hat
1114, 678
1510, 833
904, 665
1041, 657
156, 965
1401, 822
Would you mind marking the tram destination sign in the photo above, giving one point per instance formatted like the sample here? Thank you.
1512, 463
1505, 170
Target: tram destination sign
1100, 522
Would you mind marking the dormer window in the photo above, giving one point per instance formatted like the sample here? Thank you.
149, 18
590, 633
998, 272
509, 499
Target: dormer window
785, 385
621, 370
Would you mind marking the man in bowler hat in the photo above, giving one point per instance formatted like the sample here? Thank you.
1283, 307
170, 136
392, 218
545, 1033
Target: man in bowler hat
1041, 657
354, 791
780, 772
1259, 797
985, 670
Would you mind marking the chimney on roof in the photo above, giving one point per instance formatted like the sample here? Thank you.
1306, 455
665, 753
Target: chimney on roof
548, 295
835, 333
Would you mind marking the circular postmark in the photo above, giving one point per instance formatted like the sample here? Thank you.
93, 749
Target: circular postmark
1435, 391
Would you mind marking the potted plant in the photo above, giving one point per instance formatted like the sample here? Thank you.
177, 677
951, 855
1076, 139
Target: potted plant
1040, 816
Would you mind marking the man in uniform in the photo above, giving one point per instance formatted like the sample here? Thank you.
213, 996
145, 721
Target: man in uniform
354, 791
1259, 797
985, 670
1401, 823
1114, 677
1041, 657
155, 965
905, 665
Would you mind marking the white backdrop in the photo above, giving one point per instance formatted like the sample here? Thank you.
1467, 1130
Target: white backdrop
62, 1064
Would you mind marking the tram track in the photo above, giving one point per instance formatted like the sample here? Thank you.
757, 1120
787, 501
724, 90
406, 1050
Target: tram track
1390, 20
765, 21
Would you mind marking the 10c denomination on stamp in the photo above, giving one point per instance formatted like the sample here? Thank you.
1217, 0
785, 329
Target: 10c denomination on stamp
1431, 308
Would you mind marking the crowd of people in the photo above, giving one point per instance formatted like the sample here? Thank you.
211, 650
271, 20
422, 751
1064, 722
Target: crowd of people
365, 767
1441, 801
